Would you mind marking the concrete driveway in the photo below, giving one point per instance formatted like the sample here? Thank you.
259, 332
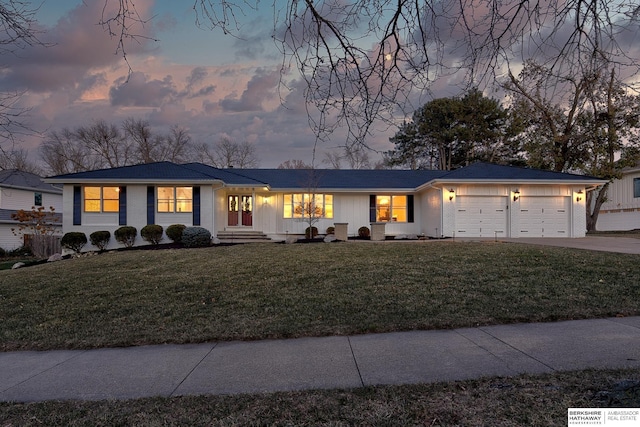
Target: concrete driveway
623, 245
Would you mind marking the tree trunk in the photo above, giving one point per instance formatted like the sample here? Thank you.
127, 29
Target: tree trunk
593, 206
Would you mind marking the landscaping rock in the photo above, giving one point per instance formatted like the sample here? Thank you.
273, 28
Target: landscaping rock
55, 257
291, 239
18, 265
400, 237
215, 241
330, 238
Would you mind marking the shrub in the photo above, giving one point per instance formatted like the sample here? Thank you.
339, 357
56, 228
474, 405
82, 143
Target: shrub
174, 232
3, 253
74, 240
364, 232
196, 237
152, 233
100, 239
22, 251
312, 234
126, 235
331, 230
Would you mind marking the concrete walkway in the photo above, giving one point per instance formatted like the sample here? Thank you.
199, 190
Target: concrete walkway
624, 245
319, 363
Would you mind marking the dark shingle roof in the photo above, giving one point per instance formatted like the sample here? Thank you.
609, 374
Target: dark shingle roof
488, 171
341, 179
335, 179
26, 181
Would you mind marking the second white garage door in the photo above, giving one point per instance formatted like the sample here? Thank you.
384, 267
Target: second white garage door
478, 216
544, 217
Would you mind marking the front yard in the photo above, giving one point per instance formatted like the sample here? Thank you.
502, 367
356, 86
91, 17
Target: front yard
269, 290
259, 291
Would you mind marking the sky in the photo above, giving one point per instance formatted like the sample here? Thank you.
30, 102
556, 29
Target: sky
213, 85
179, 73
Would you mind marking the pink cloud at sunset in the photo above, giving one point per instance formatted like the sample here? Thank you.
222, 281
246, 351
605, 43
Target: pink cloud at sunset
213, 86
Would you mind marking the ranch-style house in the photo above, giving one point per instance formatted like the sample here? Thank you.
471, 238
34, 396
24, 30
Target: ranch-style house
481, 200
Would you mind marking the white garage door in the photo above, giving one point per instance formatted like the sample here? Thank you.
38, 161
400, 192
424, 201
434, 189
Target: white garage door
478, 216
544, 217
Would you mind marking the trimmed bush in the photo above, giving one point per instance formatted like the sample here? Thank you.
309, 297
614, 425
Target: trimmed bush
152, 233
311, 234
174, 232
74, 240
364, 232
126, 235
196, 237
100, 239
331, 230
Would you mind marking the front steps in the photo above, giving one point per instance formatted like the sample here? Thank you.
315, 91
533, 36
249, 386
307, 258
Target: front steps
242, 236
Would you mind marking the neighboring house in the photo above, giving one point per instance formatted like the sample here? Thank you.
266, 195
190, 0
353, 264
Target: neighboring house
480, 200
621, 211
23, 191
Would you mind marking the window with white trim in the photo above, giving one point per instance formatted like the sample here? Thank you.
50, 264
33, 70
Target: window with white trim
101, 199
391, 208
175, 199
307, 205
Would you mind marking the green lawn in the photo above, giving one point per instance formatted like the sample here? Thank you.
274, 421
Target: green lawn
262, 291
267, 290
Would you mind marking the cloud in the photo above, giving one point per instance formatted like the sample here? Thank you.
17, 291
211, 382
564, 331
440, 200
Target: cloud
140, 91
77, 45
261, 88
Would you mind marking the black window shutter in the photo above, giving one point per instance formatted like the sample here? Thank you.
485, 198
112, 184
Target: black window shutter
151, 205
372, 208
77, 205
196, 205
410, 208
122, 206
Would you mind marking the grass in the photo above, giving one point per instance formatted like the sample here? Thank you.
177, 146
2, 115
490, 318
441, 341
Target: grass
267, 291
528, 400
258, 291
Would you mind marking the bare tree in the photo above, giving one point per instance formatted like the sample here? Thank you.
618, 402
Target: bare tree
148, 148
228, 154
294, 164
352, 82
62, 154
18, 30
18, 160
103, 145
356, 156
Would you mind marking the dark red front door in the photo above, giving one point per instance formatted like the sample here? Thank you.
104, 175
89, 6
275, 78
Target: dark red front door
239, 211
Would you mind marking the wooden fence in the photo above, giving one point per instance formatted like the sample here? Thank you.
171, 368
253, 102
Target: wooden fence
43, 246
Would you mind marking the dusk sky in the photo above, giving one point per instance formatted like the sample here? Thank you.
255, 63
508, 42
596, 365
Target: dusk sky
215, 86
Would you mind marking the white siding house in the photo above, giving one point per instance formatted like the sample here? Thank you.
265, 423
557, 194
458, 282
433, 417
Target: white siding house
23, 191
480, 201
621, 211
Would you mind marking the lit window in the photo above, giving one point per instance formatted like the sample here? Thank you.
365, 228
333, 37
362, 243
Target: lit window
175, 199
101, 199
308, 206
391, 208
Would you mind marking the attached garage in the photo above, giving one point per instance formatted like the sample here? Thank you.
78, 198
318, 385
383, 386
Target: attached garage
544, 216
481, 216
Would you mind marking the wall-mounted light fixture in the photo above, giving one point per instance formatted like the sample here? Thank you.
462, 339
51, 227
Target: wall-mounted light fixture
451, 193
516, 195
579, 196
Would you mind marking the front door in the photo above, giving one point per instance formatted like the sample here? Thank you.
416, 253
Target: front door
240, 211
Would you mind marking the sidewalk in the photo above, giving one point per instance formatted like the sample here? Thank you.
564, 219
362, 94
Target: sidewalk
316, 363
